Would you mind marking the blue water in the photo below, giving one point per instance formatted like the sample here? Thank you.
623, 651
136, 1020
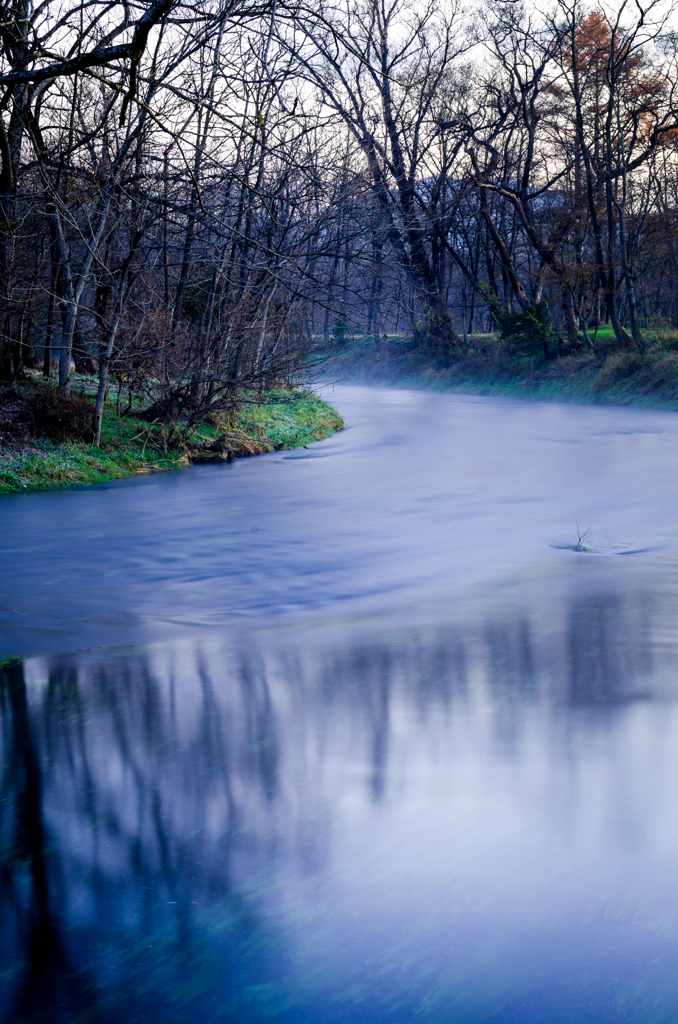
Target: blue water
350, 734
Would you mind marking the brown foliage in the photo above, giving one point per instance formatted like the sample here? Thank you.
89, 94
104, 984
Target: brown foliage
41, 411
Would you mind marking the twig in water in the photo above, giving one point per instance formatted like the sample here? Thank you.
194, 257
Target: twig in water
581, 537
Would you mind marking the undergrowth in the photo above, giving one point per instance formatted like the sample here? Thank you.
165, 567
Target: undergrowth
285, 419
604, 375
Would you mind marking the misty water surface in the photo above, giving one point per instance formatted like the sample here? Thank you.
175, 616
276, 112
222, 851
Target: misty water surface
351, 734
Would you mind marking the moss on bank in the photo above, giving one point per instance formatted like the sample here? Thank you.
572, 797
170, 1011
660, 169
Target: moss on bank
607, 375
130, 447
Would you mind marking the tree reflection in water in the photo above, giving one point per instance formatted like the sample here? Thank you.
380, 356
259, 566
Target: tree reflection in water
172, 821
49, 986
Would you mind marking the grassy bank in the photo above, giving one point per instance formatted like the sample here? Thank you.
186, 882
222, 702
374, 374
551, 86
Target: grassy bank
286, 419
606, 375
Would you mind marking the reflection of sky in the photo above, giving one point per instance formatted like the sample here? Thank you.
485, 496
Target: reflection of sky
421, 495
442, 823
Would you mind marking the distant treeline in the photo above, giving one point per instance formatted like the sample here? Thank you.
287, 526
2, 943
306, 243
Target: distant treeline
196, 196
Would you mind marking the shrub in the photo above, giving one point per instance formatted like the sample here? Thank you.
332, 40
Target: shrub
617, 367
669, 341
340, 332
41, 411
527, 333
663, 371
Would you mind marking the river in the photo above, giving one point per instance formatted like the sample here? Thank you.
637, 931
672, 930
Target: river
352, 734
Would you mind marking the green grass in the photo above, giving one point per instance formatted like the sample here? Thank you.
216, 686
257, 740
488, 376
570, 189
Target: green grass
608, 375
130, 447
289, 424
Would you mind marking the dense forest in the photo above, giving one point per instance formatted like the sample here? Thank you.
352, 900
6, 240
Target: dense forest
198, 198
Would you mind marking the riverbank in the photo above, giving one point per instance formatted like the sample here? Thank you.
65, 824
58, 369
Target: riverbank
606, 375
130, 447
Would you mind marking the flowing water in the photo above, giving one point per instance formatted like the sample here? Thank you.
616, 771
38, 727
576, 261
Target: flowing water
350, 735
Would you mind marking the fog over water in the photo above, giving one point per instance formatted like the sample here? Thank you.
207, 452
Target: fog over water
351, 734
